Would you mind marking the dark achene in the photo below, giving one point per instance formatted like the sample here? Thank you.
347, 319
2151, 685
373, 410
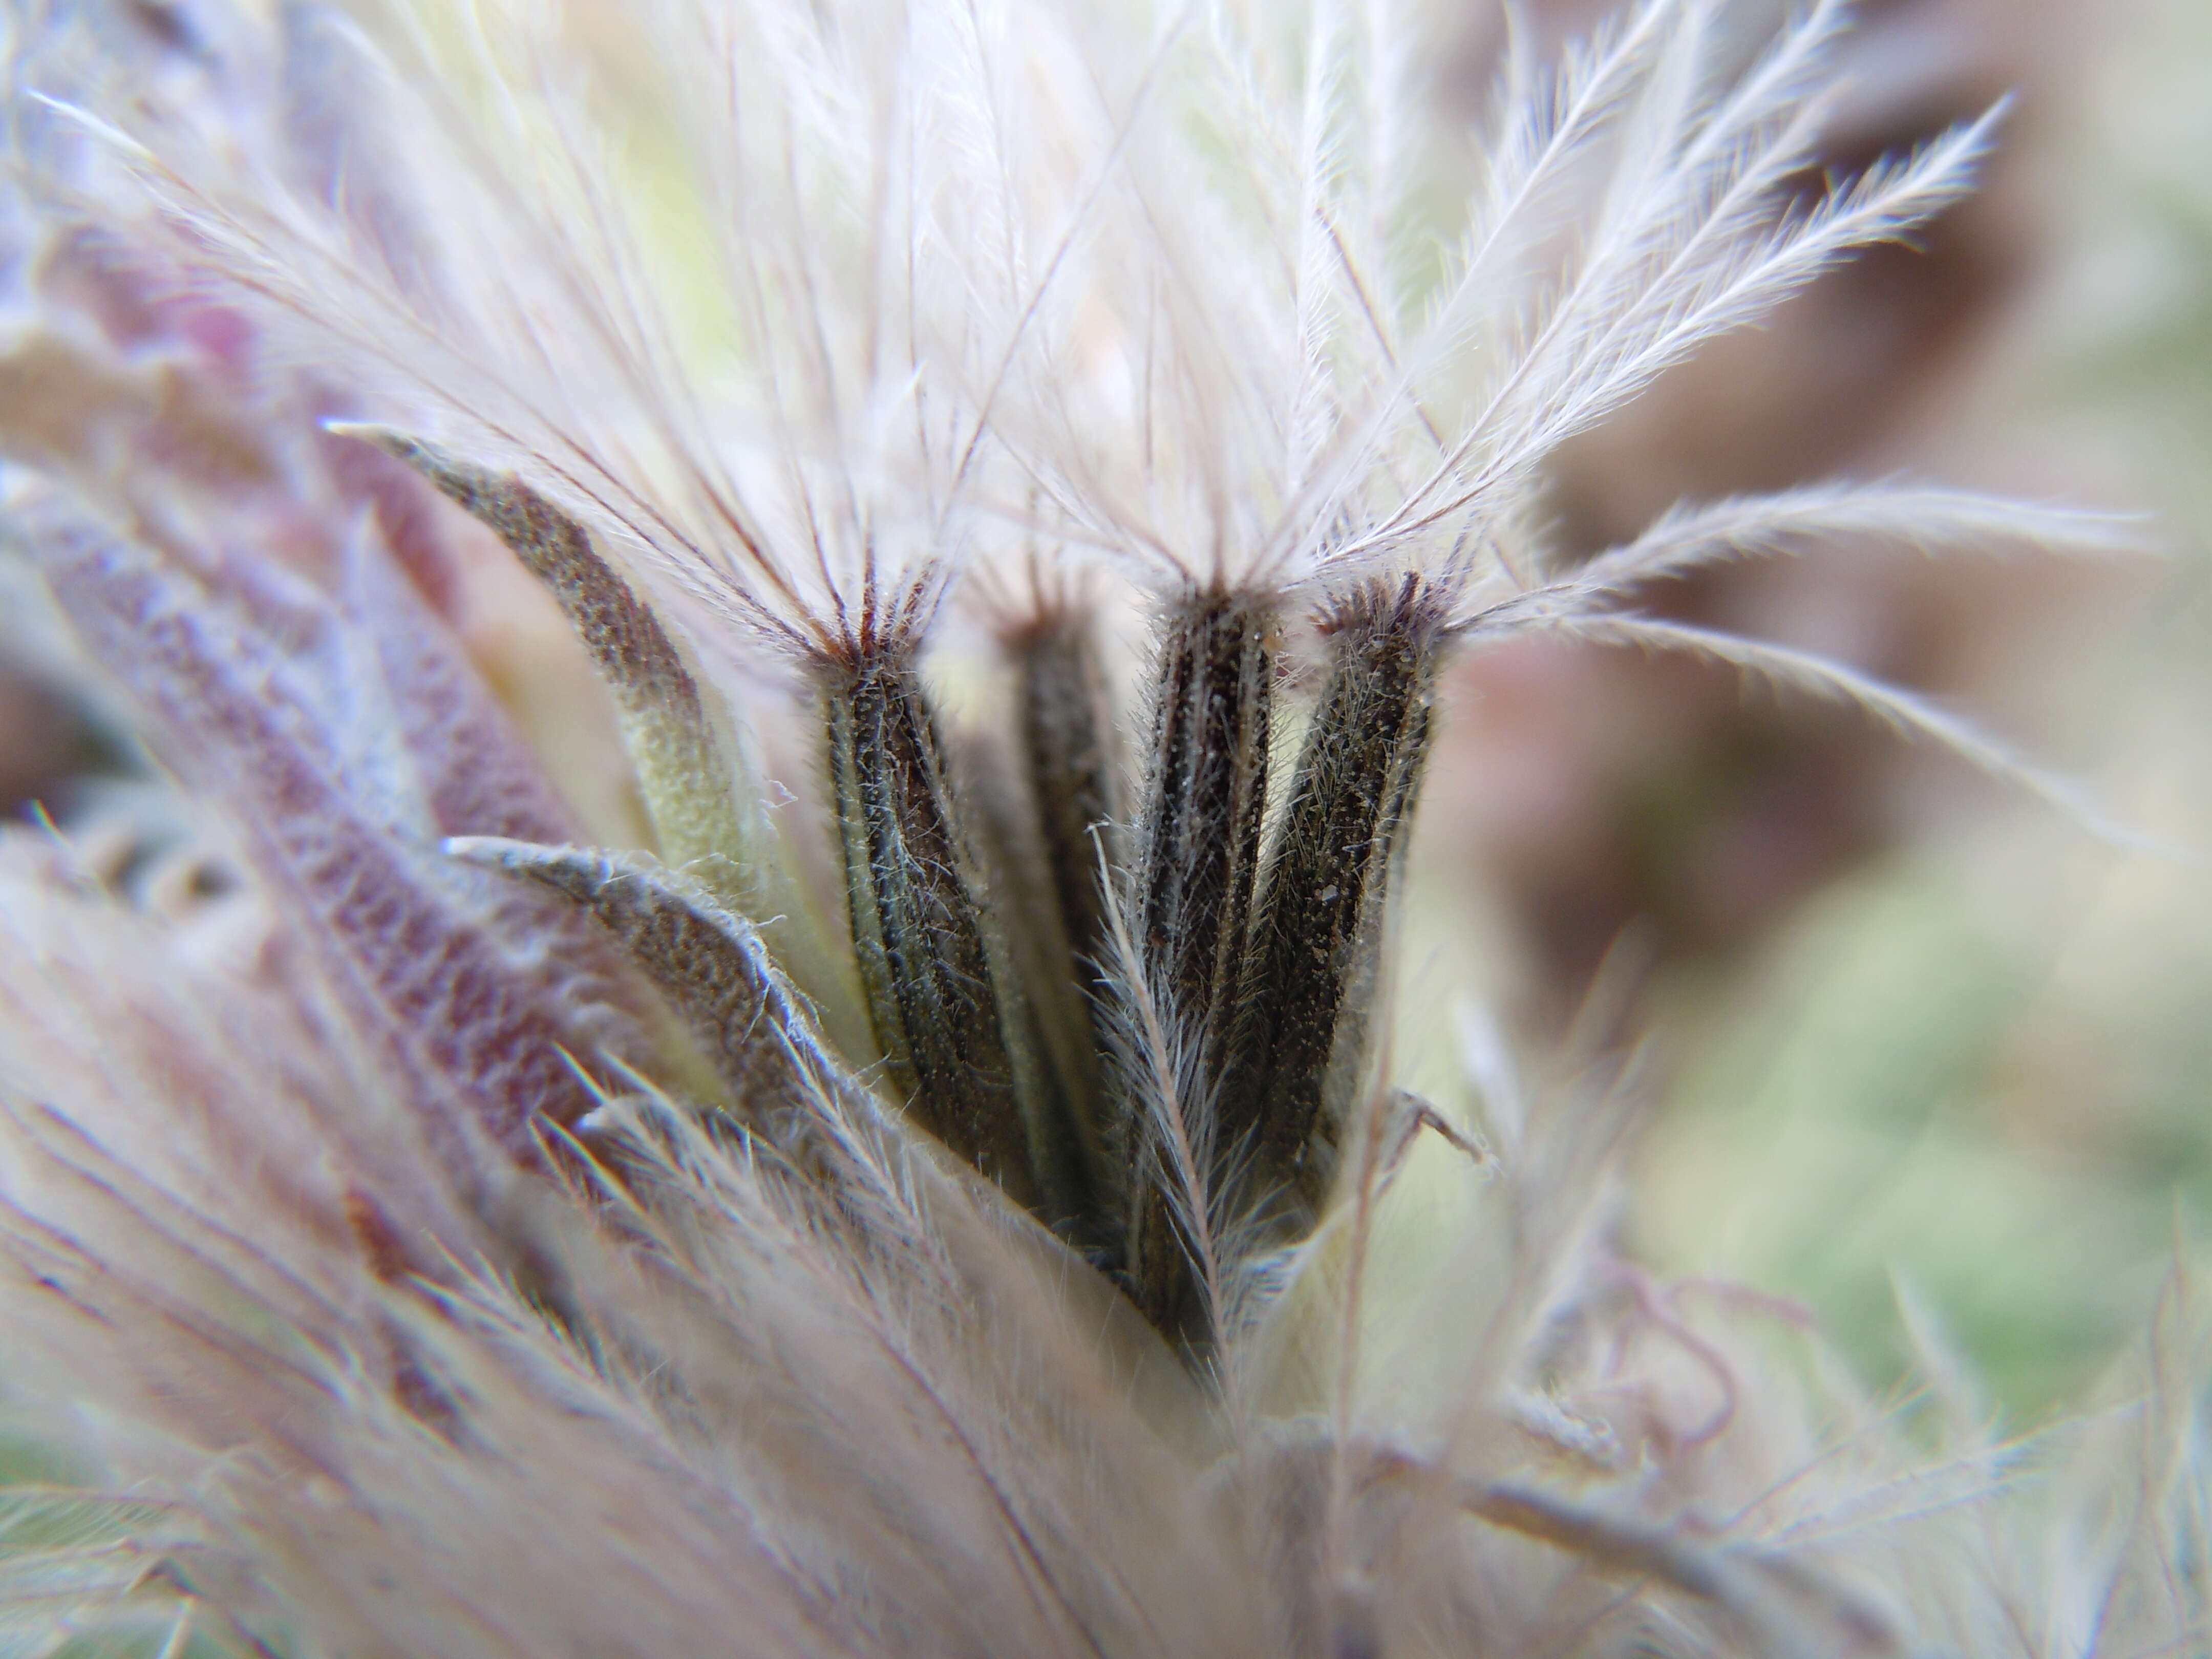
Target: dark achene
1199, 829
1270, 958
1064, 781
917, 927
1303, 998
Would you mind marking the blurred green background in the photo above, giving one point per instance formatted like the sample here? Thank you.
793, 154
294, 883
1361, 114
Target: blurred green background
1910, 1028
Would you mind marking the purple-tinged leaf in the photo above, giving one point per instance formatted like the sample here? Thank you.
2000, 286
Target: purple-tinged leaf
475, 1024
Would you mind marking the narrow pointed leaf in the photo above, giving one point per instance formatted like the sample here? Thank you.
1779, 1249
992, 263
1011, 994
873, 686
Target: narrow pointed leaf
689, 790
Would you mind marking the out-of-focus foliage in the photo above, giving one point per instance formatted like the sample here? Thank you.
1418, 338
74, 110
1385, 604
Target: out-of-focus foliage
1985, 1068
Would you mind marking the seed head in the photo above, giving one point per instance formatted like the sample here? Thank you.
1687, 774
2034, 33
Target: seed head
950, 1192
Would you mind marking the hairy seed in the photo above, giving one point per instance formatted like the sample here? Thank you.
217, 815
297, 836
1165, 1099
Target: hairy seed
917, 927
1206, 798
1300, 1032
1065, 758
1207, 792
1064, 749
1044, 1012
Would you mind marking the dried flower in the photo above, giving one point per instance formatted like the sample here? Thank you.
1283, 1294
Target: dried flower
968, 1208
